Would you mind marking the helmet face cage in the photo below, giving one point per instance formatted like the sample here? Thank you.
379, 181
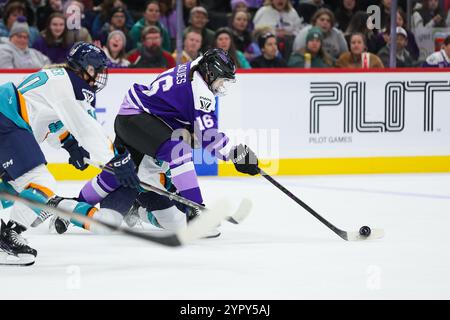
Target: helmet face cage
101, 79
217, 65
220, 86
84, 57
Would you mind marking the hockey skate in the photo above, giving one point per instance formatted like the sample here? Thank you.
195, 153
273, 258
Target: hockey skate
14, 249
132, 218
57, 224
192, 213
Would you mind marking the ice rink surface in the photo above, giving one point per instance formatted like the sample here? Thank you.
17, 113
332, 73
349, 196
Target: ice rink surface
279, 252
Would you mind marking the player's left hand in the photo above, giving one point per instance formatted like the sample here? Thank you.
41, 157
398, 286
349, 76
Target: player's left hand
124, 169
77, 154
245, 160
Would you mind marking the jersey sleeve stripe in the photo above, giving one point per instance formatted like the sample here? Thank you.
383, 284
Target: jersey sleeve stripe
136, 99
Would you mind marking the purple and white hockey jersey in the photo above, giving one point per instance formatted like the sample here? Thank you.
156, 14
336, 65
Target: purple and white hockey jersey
181, 103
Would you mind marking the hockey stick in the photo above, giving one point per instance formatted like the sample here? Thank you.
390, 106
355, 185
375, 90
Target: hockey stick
195, 229
348, 236
237, 217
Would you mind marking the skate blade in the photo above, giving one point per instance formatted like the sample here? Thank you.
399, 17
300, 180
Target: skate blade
21, 260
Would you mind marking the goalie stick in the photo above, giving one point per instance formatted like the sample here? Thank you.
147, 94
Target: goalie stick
196, 229
348, 236
236, 217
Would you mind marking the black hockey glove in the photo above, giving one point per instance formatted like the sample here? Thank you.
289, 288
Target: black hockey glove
244, 160
77, 153
124, 169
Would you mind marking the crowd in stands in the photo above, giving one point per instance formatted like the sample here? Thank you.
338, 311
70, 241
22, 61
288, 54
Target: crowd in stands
256, 33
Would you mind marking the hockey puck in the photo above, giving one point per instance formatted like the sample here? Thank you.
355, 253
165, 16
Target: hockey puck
364, 231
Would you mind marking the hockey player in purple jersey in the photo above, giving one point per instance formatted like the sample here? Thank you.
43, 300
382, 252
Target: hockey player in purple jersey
150, 121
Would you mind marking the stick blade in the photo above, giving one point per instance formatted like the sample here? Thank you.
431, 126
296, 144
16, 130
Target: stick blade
374, 234
209, 219
244, 209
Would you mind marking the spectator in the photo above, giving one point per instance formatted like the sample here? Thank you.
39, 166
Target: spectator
319, 58
16, 54
43, 13
198, 20
281, 16
33, 7
241, 35
344, 13
307, 8
53, 40
105, 14
116, 22
254, 5
269, 58
253, 49
284, 20
429, 16
358, 24
191, 47
412, 47
333, 43
224, 40
76, 33
115, 50
151, 18
217, 11
404, 59
12, 11
385, 6
239, 5
151, 54
169, 19
354, 58
187, 7
440, 59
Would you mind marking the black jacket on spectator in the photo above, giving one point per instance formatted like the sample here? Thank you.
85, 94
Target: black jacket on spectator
363, 4
306, 10
343, 17
261, 62
42, 15
242, 42
217, 12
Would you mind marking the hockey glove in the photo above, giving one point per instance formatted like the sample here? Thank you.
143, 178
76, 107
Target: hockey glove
244, 160
124, 169
76, 153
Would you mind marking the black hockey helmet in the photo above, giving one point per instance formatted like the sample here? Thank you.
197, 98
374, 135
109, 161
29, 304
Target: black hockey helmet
217, 67
85, 57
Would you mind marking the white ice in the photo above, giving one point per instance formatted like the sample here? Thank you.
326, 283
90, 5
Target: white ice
279, 252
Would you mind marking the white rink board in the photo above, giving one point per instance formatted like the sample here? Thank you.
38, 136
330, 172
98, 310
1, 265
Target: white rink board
280, 109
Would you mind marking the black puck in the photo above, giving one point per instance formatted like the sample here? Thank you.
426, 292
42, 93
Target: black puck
364, 231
